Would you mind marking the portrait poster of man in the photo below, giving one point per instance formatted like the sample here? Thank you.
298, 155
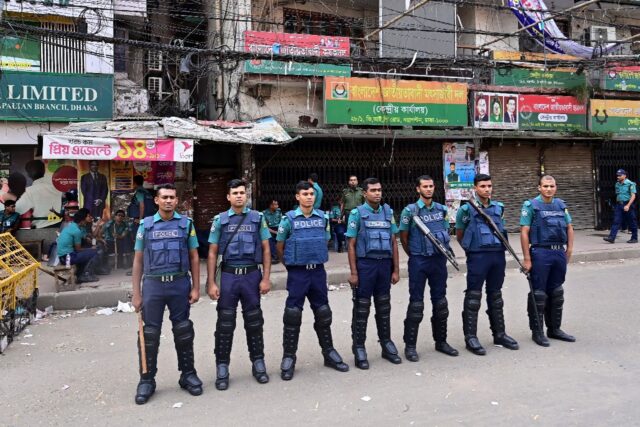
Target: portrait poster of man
495, 110
94, 187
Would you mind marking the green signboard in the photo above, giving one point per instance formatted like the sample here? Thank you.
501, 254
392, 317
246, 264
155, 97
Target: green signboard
522, 77
26, 96
296, 68
625, 79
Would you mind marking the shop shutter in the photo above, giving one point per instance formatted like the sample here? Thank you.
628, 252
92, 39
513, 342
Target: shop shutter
572, 167
514, 174
210, 191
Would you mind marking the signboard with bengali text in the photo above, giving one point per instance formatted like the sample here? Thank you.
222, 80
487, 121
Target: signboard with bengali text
616, 116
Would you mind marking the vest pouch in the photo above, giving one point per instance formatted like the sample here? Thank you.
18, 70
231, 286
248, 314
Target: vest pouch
233, 249
487, 238
378, 241
248, 245
158, 255
309, 249
174, 252
556, 230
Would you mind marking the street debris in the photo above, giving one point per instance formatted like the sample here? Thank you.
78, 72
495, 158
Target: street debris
84, 310
494, 403
105, 312
333, 288
365, 398
64, 387
125, 307
177, 405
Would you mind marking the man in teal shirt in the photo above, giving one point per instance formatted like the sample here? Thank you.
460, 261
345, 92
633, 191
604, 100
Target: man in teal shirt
625, 208
9, 218
313, 180
273, 216
70, 245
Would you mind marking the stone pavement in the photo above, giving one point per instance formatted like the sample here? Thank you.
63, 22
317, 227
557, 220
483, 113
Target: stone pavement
588, 247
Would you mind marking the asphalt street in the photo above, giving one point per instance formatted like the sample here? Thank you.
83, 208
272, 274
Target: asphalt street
81, 368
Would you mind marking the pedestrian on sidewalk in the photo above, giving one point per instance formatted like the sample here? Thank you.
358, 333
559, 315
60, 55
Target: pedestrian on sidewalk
302, 245
273, 216
240, 236
166, 251
546, 237
338, 226
375, 266
625, 209
486, 263
426, 263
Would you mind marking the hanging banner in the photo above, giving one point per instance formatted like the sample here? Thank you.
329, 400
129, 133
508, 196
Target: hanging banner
559, 113
155, 150
616, 116
623, 78
378, 102
525, 77
493, 110
275, 44
121, 174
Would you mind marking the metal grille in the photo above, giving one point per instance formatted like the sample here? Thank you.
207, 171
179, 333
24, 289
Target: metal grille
609, 157
61, 54
572, 167
210, 193
396, 163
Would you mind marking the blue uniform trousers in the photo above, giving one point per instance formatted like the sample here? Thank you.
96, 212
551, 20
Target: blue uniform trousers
432, 268
272, 245
549, 268
244, 288
156, 295
79, 258
630, 217
374, 277
486, 267
306, 283
338, 235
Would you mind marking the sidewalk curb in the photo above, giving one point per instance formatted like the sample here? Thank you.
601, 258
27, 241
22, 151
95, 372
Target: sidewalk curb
109, 297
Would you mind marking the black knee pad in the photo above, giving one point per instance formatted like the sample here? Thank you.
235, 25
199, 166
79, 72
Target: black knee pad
323, 316
362, 306
539, 296
441, 308
415, 312
557, 296
495, 299
253, 320
383, 304
151, 335
472, 300
292, 316
226, 321
183, 331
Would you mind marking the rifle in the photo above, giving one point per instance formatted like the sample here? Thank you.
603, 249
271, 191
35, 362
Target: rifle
434, 240
506, 244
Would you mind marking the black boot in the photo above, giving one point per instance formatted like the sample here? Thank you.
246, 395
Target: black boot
225, 326
439, 327
361, 309
537, 324
183, 336
322, 325
553, 316
292, 320
495, 305
415, 313
147, 384
383, 321
253, 322
88, 272
470, 322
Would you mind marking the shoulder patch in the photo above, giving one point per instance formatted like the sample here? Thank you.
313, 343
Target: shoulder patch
527, 203
405, 219
525, 212
352, 224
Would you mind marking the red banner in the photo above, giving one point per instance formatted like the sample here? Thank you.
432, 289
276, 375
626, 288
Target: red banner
295, 44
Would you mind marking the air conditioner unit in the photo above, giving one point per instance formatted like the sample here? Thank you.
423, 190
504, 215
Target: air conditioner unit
602, 35
154, 60
154, 85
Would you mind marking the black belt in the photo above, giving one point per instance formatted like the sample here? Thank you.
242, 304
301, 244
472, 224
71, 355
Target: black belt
166, 277
239, 271
306, 267
552, 247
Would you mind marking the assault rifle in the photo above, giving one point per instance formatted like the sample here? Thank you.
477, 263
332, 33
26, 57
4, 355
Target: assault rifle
506, 244
437, 243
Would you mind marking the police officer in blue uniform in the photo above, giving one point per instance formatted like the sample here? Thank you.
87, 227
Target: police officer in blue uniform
273, 216
485, 263
373, 259
625, 210
302, 245
546, 236
166, 251
241, 236
426, 263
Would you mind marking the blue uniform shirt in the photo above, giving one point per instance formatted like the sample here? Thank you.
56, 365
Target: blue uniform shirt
406, 217
526, 216
214, 235
284, 230
464, 216
192, 243
71, 236
624, 190
319, 193
354, 221
273, 218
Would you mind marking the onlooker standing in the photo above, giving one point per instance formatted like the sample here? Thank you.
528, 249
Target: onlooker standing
338, 226
313, 180
116, 235
273, 216
9, 218
352, 196
625, 208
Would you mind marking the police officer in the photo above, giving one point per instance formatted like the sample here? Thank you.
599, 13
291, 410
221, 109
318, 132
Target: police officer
352, 196
546, 236
273, 216
166, 251
625, 208
373, 259
241, 236
302, 245
485, 263
426, 263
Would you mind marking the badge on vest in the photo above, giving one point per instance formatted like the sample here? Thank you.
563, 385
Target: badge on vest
165, 234
308, 223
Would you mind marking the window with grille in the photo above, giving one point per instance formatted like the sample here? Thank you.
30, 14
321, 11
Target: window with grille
61, 54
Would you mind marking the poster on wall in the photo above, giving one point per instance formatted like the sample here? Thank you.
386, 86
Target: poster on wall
93, 188
121, 174
494, 110
461, 164
145, 169
164, 172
